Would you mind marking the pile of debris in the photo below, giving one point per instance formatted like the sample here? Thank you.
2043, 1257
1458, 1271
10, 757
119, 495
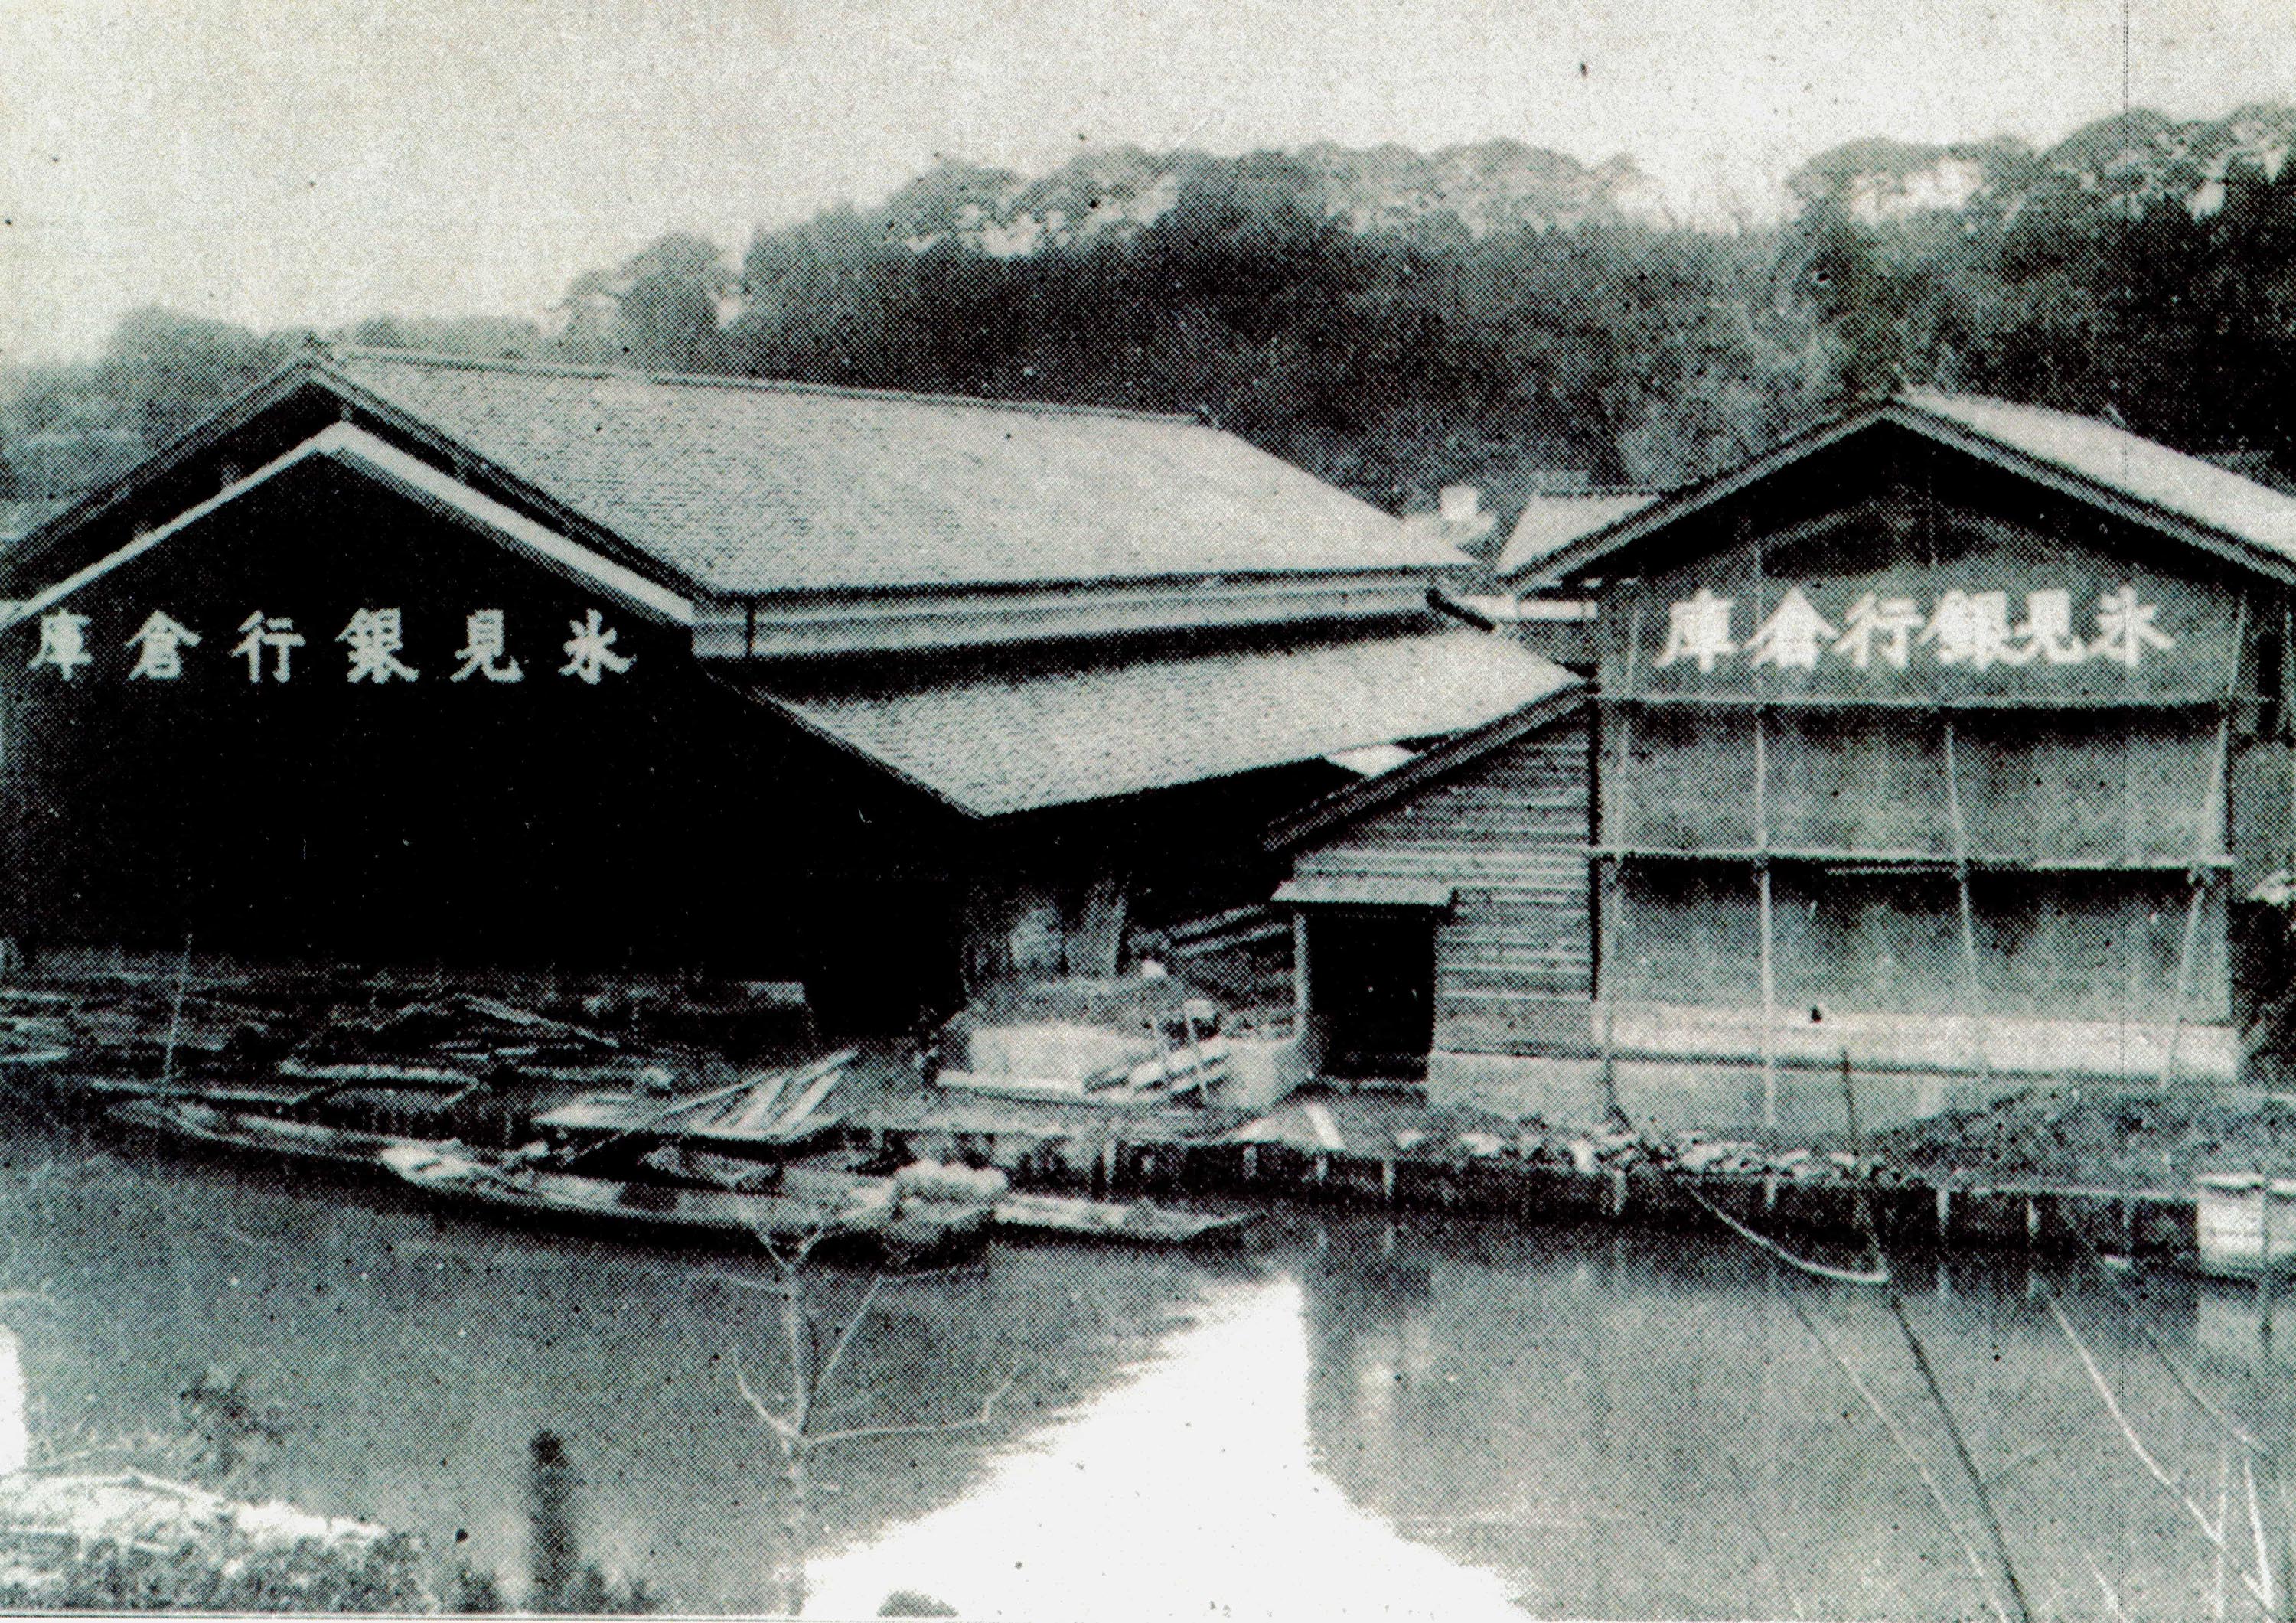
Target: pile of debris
132, 1542
389, 1052
2102, 1137
1386, 1128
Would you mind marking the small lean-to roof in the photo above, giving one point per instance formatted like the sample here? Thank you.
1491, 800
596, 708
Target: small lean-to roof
748, 488
1552, 523
2134, 478
996, 740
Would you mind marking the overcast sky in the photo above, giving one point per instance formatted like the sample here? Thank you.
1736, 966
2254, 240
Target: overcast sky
296, 161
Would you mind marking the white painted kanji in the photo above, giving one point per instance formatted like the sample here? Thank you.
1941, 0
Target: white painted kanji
486, 649
590, 651
1698, 630
1793, 635
160, 647
2047, 631
278, 634
1972, 629
1880, 627
63, 642
374, 637
2125, 629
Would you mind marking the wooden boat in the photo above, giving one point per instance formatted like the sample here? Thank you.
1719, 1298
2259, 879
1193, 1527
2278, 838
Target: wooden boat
869, 1213
1134, 1223
252, 1131
2246, 1223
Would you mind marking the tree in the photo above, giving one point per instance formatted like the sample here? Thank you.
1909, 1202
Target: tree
795, 1417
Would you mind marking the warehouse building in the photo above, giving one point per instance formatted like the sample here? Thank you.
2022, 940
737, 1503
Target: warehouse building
1950, 740
417, 659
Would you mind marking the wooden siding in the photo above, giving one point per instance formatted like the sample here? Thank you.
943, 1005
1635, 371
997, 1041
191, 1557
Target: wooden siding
1513, 955
2082, 793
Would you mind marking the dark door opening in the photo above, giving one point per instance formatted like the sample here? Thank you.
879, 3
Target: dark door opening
1371, 977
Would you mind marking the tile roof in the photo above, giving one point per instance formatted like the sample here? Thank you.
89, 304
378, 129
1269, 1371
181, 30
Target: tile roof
2130, 464
1016, 738
747, 488
2186, 497
1551, 522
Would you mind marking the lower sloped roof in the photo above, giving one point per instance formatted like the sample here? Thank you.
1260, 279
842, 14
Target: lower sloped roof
996, 741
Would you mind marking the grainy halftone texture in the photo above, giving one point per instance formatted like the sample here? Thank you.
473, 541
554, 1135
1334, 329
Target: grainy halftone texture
750, 487
1012, 739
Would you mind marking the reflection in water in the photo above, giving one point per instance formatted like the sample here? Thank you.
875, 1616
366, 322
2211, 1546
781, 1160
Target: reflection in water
15, 1436
1416, 1418
1189, 1492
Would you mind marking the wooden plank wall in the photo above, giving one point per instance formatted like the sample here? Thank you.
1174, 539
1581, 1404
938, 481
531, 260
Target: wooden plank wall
1513, 956
2038, 786
2094, 947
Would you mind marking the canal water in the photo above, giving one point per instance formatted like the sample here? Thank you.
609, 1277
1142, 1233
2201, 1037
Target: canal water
1352, 1417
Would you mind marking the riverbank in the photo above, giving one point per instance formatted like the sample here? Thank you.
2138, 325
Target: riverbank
2111, 1169
2052, 1169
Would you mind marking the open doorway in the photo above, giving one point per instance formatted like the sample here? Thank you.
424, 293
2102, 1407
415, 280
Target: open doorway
1371, 986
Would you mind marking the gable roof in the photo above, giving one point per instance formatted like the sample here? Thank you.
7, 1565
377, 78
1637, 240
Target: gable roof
1018, 737
730, 487
2134, 478
746, 487
1551, 522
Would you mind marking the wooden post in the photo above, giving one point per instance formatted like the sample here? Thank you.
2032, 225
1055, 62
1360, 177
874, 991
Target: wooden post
1610, 895
1300, 985
2206, 842
1762, 906
1972, 970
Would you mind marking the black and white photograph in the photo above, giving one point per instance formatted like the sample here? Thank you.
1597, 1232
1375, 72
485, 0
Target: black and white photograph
1118, 810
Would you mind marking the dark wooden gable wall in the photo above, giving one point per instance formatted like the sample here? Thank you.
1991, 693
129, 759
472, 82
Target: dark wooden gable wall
654, 818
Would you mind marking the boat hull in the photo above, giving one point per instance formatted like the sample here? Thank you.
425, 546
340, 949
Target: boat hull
656, 1212
251, 1132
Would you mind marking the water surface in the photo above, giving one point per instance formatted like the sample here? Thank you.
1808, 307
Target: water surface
1354, 1417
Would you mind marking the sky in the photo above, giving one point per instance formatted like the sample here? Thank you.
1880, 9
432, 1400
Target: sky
310, 162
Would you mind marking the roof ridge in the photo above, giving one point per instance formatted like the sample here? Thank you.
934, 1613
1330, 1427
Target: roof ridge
328, 351
1915, 398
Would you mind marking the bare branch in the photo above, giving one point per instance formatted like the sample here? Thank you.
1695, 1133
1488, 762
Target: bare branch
2174, 1365
1913, 1457
1914, 1345
2211, 1530
780, 1426
2218, 1597
2261, 1592
925, 1429
828, 1370
2264, 1587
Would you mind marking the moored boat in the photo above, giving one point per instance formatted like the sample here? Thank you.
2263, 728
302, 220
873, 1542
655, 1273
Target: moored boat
1131, 1223
252, 1131
1065, 1217
869, 1214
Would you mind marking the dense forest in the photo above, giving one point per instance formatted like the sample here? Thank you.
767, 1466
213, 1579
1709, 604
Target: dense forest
1396, 322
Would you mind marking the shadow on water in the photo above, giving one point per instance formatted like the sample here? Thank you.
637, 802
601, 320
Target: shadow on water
1358, 1416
